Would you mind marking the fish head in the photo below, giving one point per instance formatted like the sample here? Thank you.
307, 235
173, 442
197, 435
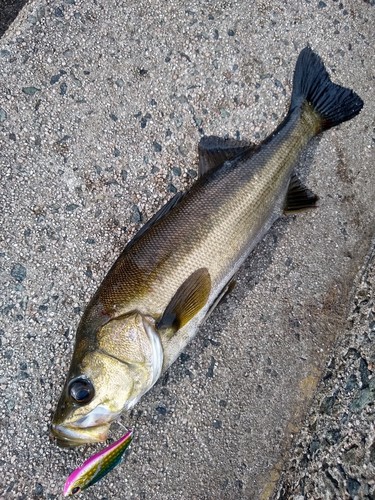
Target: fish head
123, 363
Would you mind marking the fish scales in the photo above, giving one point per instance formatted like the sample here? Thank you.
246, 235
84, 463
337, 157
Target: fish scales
178, 267
221, 213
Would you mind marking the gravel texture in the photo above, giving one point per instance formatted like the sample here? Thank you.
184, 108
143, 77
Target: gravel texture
102, 105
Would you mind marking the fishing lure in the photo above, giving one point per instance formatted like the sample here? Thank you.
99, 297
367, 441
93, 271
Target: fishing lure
97, 466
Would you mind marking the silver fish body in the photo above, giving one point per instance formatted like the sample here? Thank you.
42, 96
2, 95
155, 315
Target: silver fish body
174, 272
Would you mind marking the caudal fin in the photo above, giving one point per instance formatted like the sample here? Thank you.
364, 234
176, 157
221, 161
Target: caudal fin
311, 82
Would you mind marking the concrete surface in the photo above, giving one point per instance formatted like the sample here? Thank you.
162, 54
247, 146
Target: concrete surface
101, 108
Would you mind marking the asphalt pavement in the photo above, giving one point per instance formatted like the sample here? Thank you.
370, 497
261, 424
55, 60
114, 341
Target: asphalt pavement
102, 105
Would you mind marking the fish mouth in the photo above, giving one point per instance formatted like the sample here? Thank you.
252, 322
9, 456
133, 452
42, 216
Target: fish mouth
69, 437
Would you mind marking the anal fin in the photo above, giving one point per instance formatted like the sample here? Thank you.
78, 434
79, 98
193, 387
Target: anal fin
299, 197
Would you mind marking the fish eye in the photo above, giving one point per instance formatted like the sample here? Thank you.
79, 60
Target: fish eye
81, 390
76, 490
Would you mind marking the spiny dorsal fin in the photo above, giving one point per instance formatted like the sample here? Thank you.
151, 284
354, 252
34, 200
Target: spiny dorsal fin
214, 151
155, 218
299, 197
187, 301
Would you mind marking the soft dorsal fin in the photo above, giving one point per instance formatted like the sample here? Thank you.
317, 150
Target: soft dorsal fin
299, 197
189, 299
155, 218
214, 151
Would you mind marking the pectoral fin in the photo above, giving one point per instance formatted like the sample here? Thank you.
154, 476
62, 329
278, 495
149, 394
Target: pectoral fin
187, 301
214, 151
299, 197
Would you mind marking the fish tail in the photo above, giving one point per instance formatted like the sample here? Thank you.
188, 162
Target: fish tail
332, 103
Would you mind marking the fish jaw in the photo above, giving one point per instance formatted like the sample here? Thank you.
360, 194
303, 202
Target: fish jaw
69, 437
91, 428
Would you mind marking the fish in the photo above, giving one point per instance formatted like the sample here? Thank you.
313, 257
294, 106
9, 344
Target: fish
178, 267
97, 466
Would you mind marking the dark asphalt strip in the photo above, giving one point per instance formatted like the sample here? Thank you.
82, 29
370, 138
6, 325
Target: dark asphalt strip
9, 10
